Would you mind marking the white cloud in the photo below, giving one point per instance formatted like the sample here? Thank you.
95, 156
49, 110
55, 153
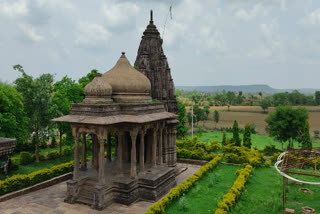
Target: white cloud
119, 13
91, 35
13, 9
212, 41
31, 33
312, 18
245, 15
66, 4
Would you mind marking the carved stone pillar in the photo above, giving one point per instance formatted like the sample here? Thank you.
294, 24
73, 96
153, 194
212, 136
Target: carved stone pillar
76, 154
133, 170
119, 157
109, 148
141, 151
84, 152
102, 180
116, 147
174, 146
95, 151
154, 149
165, 146
160, 146
169, 137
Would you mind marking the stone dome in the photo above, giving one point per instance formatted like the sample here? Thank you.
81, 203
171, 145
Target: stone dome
128, 84
97, 91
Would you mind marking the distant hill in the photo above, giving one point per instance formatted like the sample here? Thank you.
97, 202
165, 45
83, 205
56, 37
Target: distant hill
244, 88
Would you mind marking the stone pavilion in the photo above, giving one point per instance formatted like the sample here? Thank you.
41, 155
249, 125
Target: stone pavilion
143, 166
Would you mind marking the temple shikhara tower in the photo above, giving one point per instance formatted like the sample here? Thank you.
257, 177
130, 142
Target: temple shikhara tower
152, 62
118, 105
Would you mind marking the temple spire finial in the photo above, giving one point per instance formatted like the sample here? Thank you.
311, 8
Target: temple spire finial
151, 16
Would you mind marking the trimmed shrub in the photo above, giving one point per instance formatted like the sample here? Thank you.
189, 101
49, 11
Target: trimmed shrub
42, 157
243, 155
229, 199
17, 182
53, 155
26, 158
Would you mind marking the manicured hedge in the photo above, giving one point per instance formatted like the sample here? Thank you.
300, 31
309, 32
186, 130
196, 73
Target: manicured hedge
234, 192
17, 182
160, 206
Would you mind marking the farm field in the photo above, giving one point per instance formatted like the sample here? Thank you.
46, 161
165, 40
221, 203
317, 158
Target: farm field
207, 192
257, 140
253, 114
263, 194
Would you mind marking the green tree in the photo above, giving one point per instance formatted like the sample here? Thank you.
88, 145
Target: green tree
65, 92
216, 117
182, 128
198, 113
281, 99
13, 120
36, 94
247, 136
265, 103
305, 140
286, 123
224, 138
235, 131
317, 97
83, 81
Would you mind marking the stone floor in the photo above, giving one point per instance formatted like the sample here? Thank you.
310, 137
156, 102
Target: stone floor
50, 200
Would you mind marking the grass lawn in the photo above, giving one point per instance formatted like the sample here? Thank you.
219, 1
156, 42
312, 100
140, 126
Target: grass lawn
263, 194
257, 140
207, 192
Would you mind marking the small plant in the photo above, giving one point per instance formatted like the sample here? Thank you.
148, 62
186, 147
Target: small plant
25, 158
183, 204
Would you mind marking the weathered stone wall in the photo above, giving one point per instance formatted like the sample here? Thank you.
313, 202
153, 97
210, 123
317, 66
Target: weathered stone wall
152, 62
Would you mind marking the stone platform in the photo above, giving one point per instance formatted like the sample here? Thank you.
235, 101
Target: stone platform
149, 186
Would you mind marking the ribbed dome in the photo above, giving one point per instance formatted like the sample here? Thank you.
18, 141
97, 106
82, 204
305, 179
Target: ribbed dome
128, 84
97, 91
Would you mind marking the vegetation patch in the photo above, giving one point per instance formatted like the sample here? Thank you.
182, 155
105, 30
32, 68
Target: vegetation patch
204, 196
229, 199
181, 189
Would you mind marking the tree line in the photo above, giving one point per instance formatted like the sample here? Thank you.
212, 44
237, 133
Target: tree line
227, 98
28, 105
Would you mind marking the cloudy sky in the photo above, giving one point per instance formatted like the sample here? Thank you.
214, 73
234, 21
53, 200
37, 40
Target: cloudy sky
207, 42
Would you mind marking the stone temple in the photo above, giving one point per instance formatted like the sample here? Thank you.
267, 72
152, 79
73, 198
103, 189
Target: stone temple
152, 62
119, 103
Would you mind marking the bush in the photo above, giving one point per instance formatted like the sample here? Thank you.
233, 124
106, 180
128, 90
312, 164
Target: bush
160, 206
17, 182
243, 155
67, 152
53, 155
42, 157
53, 142
26, 158
270, 150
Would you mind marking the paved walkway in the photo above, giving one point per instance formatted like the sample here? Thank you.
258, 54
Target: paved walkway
50, 201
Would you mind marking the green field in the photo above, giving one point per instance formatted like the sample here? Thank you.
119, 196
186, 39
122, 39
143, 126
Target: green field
207, 192
257, 140
263, 194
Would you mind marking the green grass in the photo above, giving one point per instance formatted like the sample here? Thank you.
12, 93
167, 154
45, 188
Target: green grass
263, 194
257, 140
207, 192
